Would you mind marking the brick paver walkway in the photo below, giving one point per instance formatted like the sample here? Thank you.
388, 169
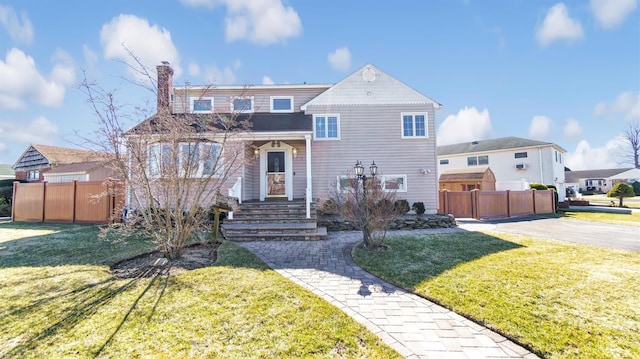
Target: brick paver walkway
413, 326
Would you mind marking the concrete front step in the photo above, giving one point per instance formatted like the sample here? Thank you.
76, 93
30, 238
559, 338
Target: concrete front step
269, 228
256, 220
319, 234
273, 220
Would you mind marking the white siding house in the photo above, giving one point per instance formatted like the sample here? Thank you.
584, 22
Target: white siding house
515, 161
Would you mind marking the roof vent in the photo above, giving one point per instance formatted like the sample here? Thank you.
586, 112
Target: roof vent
474, 142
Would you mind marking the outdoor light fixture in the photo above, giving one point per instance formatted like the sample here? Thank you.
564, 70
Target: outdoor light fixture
256, 152
295, 152
359, 168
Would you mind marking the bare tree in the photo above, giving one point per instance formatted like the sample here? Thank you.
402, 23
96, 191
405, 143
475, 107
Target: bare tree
367, 206
174, 165
631, 136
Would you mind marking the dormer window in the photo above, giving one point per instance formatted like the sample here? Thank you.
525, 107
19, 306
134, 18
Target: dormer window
201, 104
281, 103
242, 104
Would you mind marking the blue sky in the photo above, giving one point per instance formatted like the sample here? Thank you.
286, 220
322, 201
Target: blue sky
563, 72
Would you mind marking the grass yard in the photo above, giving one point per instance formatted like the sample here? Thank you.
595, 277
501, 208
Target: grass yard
603, 200
58, 299
562, 300
632, 219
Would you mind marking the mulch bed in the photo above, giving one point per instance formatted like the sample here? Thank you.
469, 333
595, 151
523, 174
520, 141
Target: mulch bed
194, 256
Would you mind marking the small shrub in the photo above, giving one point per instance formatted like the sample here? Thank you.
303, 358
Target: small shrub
636, 188
5, 208
384, 203
401, 206
620, 191
418, 207
538, 186
329, 207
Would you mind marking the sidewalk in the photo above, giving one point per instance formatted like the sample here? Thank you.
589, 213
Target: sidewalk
413, 326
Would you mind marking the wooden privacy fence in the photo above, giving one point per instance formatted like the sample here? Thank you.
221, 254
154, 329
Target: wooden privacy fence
70, 202
496, 204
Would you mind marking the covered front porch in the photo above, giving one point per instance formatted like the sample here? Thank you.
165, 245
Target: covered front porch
277, 167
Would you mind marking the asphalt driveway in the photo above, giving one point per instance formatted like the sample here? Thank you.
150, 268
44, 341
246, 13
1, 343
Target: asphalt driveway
599, 234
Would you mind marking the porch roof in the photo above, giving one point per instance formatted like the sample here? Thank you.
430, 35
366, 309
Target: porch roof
260, 122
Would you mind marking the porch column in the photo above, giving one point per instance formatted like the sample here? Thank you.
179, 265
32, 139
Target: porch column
308, 192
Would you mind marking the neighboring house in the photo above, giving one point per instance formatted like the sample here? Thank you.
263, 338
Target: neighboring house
599, 181
82, 172
306, 138
39, 159
514, 161
468, 179
6, 172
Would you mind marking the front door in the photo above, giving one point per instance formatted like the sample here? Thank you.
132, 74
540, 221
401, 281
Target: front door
276, 174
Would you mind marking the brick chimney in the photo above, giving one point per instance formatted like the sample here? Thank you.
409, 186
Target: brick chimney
165, 87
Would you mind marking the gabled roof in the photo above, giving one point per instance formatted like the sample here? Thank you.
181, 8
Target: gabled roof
81, 167
496, 144
43, 156
462, 174
576, 176
369, 86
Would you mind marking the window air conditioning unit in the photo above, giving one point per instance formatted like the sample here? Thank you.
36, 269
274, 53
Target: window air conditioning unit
521, 166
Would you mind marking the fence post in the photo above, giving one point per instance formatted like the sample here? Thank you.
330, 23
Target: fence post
475, 205
13, 201
44, 199
533, 191
508, 203
75, 198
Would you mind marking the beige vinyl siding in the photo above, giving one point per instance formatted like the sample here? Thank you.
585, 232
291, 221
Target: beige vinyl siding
299, 170
375, 133
261, 97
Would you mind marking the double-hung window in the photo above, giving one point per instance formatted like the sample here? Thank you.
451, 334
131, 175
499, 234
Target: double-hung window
326, 127
414, 125
242, 104
201, 104
477, 160
188, 160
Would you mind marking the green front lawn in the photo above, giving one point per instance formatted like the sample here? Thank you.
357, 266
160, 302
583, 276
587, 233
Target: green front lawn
632, 219
562, 300
58, 299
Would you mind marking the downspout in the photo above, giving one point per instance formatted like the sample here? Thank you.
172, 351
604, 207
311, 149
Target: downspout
540, 160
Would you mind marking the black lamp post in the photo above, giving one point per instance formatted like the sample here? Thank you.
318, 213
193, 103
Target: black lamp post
359, 169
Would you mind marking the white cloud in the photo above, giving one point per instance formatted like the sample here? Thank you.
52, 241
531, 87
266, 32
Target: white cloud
468, 125
216, 75
193, 69
262, 22
90, 57
557, 25
540, 127
340, 59
22, 82
150, 44
266, 80
572, 129
627, 105
39, 130
584, 157
20, 29
611, 13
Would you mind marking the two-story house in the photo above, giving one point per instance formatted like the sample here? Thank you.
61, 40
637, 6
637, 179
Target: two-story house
306, 138
515, 162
